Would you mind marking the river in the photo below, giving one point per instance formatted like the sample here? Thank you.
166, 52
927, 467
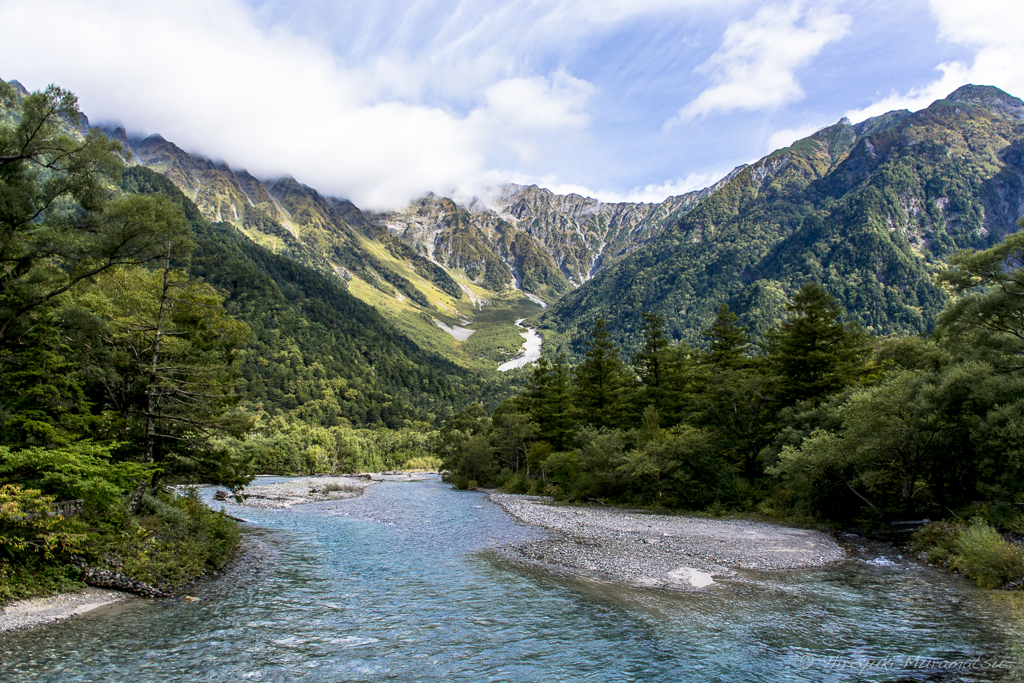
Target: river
399, 585
532, 342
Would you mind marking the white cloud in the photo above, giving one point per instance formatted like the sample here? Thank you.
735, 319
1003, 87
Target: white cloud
207, 77
520, 113
378, 101
755, 67
993, 29
658, 192
539, 103
488, 187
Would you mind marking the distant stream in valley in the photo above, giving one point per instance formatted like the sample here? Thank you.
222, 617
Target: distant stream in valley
531, 349
399, 585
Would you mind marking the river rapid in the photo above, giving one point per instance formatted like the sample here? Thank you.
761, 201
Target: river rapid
401, 585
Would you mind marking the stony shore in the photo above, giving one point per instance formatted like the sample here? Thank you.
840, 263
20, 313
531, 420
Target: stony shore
315, 489
38, 611
664, 551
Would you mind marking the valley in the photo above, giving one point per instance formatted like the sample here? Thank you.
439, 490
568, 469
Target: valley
435, 260
828, 338
869, 209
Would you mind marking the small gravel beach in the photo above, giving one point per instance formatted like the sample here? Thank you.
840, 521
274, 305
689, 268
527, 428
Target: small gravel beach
665, 551
300, 491
315, 489
39, 611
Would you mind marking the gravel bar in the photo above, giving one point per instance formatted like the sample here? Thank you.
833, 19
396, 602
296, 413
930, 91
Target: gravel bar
316, 489
39, 611
663, 551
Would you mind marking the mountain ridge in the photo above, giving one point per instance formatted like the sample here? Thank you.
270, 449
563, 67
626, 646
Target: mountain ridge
829, 206
870, 210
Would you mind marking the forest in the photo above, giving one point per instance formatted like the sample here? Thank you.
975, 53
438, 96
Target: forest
819, 422
819, 419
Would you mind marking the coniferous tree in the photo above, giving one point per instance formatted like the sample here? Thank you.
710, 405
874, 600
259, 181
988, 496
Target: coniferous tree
729, 341
558, 408
732, 390
651, 362
58, 223
813, 354
601, 381
987, 319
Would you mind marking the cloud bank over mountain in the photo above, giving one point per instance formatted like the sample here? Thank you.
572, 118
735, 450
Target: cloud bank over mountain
382, 101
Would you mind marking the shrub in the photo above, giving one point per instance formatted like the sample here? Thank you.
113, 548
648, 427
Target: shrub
983, 555
176, 539
517, 484
1000, 515
938, 540
28, 528
426, 463
34, 545
460, 482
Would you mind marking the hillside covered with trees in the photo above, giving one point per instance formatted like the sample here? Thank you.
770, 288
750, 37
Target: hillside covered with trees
142, 346
870, 211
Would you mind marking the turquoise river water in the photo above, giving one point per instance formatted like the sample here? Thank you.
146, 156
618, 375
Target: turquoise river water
400, 585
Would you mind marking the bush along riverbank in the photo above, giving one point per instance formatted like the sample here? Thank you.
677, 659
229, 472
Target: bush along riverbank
172, 540
992, 556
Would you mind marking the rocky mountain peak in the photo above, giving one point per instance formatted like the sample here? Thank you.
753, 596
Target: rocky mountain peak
18, 87
991, 98
877, 124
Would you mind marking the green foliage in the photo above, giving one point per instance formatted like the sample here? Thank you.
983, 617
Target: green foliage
550, 402
422, 463
987, 316
175, 539
815, 428
602, 381
814, 351
977, 549
535, 269
115, 371
866, 210
425, 268
58, 224
29, 529
474, 465
494, 343
983, 555
937, 540
314, 350
80, 470
466, 248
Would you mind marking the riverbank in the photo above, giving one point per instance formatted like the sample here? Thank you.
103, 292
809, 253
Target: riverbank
662, 551
38, 611
314, 489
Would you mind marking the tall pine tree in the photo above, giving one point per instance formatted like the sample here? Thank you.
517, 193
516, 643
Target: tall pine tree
813, 354
601, 381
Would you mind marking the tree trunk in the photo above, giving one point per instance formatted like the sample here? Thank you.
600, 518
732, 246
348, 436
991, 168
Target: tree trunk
152, 403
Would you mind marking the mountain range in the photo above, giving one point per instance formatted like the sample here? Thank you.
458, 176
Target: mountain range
870, 210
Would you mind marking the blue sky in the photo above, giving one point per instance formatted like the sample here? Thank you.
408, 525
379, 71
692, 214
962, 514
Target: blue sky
382, 101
